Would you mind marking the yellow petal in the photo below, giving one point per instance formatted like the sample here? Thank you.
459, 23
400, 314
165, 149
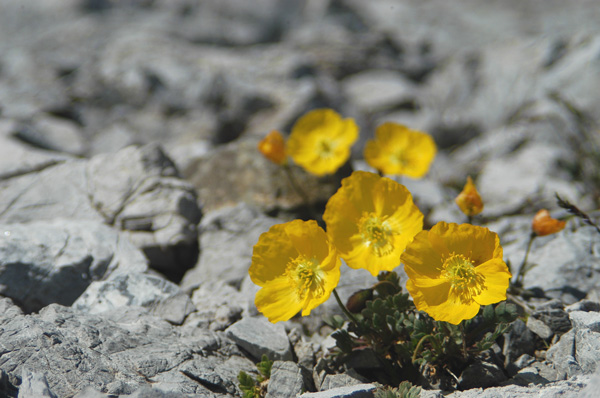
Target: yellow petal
453, 269
370, 220
399, 150
437, 302
297, 267
497, 278
268, 264
477, 243
275, 301
320, 141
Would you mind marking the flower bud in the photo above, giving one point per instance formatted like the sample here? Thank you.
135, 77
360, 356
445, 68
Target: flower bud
469, 200
543, 224
358, 301
273, 147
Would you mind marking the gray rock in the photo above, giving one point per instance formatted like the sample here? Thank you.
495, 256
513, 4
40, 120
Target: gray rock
237, 172
161, 297
481, 374
575, 353
149, 392
340, 380
16, 158
135, 189
584, 305
227, 237
118, 356
567, 262
288, 380
539, 328
587, 344
34, 385
29, 85
258, 336
218, 306
219, 375
377, 90
592, 388
304, 348
562, 355
505, 187
523, 361
518, 342
355, 391
53, 133
565, 388
585, 320
536, 373
54, 261
89, 392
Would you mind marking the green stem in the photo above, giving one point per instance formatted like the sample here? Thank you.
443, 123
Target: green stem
464, 339
419, 344
521, 272
348, 314
470, 220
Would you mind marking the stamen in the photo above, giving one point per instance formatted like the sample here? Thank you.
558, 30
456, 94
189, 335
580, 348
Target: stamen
376, 234
465, 281
305, 277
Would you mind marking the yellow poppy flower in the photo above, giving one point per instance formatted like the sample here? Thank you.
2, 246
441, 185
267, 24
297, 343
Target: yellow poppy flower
543, 224
320, 141
371, 219
469, 200
454, 269
273, 147
398, 150
296, 267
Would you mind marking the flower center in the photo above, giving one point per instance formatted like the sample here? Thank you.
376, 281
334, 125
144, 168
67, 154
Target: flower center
305, 277
326, 148
376, 234
465, 281
400, 158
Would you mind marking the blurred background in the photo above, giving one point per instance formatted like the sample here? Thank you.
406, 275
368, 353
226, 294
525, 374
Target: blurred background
508, 89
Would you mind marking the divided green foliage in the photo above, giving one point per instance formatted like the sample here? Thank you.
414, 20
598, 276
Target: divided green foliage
405, 339
249, 387
405, 390
252, 388
264, 368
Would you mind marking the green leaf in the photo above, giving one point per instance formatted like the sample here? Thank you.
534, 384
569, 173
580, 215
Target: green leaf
488, 314
343, 340
248, 385
264, 367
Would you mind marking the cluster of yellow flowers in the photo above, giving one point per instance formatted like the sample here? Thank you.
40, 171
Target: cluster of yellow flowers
372, 223
320, 142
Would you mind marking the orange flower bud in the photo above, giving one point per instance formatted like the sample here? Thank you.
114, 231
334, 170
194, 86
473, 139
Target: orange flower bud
273, 147
469, 200
544, 225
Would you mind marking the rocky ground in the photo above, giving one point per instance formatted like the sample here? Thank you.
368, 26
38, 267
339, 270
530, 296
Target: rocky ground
131, 191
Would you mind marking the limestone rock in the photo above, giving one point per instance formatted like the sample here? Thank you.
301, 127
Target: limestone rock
238, 172
34, 385
258, 336
288, 380
226, 240
354, 391
162, 298
75, 351
54, 261
136, 190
